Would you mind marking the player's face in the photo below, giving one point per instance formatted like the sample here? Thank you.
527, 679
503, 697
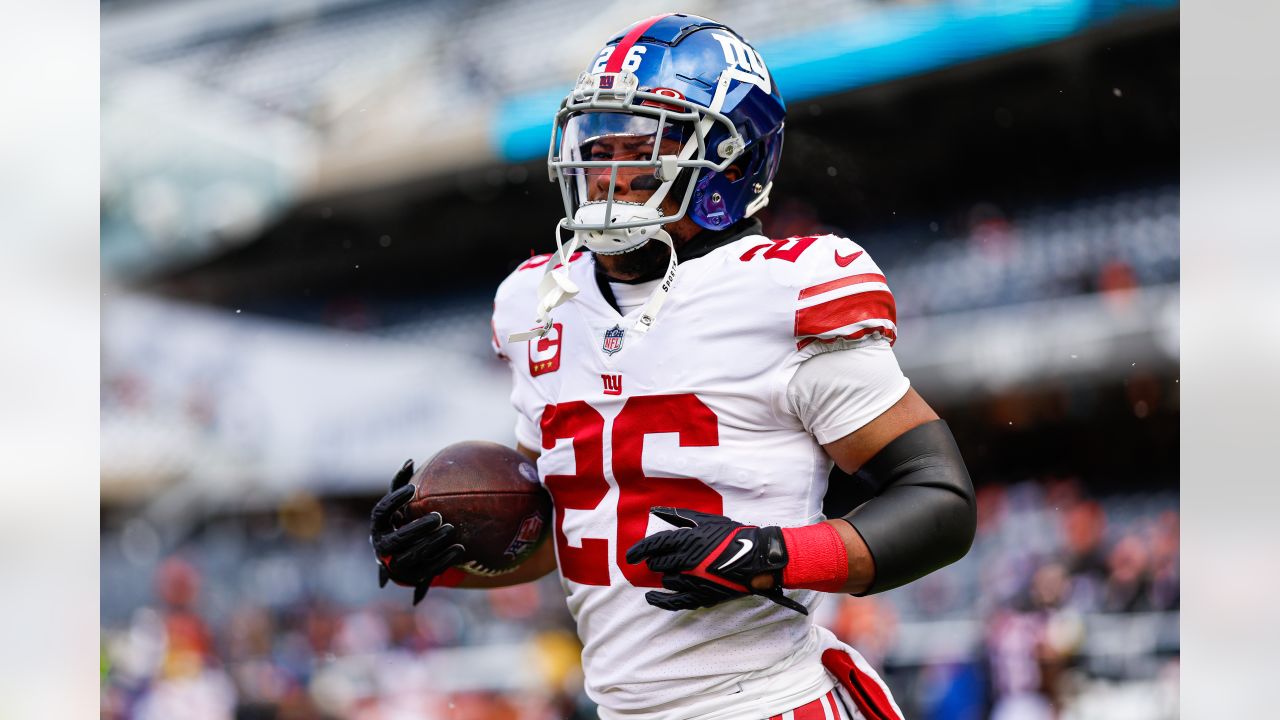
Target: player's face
612, 137
631, 184
625, 137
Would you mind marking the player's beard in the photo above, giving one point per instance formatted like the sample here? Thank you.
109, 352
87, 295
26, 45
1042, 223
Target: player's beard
644, 263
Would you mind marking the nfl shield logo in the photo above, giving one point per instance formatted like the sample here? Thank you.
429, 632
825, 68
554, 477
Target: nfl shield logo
613, 340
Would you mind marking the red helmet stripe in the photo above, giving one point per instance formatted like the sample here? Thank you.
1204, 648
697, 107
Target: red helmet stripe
624, 46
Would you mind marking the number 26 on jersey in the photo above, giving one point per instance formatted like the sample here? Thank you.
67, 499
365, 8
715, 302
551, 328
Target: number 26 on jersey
686, 415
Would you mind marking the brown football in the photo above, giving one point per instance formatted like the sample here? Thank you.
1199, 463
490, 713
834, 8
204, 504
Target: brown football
491, 493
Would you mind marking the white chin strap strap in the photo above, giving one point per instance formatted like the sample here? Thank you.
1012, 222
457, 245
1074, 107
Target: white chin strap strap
649, 313
556, 289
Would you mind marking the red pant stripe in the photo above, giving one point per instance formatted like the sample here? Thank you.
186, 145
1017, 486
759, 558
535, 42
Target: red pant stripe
870, 697
875, 695
830, 701
821, 708
810, 711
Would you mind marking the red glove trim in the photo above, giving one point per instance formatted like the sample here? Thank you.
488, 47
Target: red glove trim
703, 568
816, 558
451, 577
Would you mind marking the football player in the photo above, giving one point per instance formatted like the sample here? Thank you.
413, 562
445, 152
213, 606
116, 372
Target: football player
685, 383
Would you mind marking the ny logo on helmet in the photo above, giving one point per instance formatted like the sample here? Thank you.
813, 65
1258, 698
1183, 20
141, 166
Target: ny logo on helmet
745, 64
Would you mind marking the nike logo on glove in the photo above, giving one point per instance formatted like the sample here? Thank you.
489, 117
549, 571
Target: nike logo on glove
844, 261
746, 548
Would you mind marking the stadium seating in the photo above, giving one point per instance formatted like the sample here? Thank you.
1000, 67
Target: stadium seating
1041, 254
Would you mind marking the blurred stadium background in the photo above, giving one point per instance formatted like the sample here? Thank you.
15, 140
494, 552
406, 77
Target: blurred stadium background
307, 204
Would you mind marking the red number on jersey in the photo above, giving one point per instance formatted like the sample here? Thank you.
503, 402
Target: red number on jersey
686, 415
646, 415
788, 249
584, 490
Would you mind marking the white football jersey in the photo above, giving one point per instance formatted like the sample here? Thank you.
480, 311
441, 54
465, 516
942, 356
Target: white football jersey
691, 414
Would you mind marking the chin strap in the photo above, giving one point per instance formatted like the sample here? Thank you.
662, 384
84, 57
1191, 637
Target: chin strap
554, 290
649, 313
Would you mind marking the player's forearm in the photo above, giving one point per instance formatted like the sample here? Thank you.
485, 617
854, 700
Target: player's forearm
923, 517
829, 556
862, 567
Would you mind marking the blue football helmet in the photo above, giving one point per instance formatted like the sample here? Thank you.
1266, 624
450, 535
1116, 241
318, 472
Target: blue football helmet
677, 104
704, 99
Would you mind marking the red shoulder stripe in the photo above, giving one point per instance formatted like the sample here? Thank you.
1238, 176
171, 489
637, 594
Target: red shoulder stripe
841, 282
833, 314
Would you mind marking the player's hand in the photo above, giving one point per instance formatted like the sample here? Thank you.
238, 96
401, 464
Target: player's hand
414, 554
709, 559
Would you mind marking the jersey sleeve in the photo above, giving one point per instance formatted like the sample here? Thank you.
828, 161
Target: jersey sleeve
523, 399
841, 297
514, 307
826, 296
836, 393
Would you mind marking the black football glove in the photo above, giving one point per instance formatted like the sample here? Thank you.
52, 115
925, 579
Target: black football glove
710, 559
416, 553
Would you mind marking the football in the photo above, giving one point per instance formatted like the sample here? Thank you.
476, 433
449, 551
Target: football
491, 493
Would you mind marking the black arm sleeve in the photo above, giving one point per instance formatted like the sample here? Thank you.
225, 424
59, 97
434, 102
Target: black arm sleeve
924, 515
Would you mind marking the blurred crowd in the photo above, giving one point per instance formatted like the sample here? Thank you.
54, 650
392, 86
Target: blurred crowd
1066, 607
987, 256
505, 654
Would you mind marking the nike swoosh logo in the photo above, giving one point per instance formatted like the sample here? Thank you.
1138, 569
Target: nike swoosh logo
844, 261
746, 548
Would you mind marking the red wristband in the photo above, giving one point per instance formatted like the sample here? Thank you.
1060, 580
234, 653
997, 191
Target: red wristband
816, 558
451, 577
